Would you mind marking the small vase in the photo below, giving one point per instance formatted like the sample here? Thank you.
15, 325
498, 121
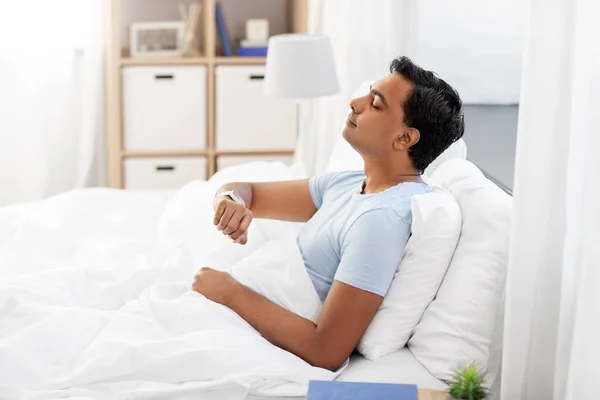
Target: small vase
190, 48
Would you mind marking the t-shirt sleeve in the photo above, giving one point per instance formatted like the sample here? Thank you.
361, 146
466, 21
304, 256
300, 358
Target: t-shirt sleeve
372, 249
318, 185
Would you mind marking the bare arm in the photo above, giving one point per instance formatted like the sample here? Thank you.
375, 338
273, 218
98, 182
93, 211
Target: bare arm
346, 315
286, 200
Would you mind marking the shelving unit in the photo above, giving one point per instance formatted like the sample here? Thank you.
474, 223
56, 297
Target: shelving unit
194, 61
185, 153
164, 61
117, 58
239, 60
181, 153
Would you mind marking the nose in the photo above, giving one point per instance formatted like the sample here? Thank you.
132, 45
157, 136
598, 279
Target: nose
356, 105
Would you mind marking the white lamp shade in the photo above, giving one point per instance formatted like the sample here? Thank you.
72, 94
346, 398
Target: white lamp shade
300, 66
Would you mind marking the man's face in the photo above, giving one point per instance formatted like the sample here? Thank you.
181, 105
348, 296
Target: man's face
378, 117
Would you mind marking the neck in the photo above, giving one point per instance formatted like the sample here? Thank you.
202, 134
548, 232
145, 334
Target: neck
381, 176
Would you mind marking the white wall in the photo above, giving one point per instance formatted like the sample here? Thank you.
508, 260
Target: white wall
475, 45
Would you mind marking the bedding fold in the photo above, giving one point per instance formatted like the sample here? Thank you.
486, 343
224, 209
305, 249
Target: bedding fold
96, 301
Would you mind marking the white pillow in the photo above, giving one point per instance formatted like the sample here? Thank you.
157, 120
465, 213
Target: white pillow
457, 328
457, 149
436, 223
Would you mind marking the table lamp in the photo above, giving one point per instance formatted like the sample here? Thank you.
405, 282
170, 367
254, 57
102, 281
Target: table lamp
300, 67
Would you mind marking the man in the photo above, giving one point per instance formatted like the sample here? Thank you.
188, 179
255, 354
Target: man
357, 222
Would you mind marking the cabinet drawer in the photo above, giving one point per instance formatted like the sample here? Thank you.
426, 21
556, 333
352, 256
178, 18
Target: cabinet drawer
248, 120
163, 172
164, 108
230, 161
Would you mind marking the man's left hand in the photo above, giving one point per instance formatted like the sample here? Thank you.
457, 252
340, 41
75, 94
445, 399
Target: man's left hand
215, 285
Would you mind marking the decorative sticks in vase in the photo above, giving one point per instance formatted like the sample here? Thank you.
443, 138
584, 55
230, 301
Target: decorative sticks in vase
190, 18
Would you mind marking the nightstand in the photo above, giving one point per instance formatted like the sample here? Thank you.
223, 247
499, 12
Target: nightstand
428, 394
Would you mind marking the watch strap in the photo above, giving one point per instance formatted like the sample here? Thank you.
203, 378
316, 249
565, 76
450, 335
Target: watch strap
234, 196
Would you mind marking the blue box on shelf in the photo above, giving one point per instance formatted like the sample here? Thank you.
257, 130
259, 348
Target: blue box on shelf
252, 51
334, 390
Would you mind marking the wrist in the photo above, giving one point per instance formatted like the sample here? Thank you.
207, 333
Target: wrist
232, 195
233, 291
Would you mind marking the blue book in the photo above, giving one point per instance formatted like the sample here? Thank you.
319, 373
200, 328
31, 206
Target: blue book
334, 390
222, 30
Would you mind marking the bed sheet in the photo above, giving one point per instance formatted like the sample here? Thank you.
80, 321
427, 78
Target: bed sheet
124, 225
95, 299
398, 367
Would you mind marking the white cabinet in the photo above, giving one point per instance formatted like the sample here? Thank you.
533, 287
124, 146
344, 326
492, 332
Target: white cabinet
164, 108
165, 114
163, 172
245, 118
229, 161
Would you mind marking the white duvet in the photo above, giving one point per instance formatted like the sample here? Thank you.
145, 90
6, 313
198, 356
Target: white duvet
95, 298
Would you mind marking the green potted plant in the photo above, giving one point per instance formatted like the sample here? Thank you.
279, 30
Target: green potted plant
467, 384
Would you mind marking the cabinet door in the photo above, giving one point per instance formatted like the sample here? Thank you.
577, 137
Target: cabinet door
164, 108
163, 172
248, 120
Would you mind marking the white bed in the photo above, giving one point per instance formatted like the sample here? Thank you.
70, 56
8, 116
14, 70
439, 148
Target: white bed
398, 367
95, 302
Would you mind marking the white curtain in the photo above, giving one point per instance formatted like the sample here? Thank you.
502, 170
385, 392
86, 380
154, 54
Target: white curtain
51, 97
552, 325
366, 36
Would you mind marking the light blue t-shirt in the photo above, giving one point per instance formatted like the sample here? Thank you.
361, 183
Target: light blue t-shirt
355, 238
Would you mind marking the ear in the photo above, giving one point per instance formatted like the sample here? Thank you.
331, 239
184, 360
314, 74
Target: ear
406, 138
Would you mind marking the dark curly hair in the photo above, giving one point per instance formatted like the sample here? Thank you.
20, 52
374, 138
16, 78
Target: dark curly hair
434, 108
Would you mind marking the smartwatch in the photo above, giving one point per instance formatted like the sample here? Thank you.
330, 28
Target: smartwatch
234, 196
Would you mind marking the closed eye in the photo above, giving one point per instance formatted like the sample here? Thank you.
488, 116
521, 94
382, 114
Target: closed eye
375, 107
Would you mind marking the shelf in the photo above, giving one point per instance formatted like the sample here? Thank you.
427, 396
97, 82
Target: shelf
178, 153
195, 153
254, 152
240, 60
165, 61
125, 61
